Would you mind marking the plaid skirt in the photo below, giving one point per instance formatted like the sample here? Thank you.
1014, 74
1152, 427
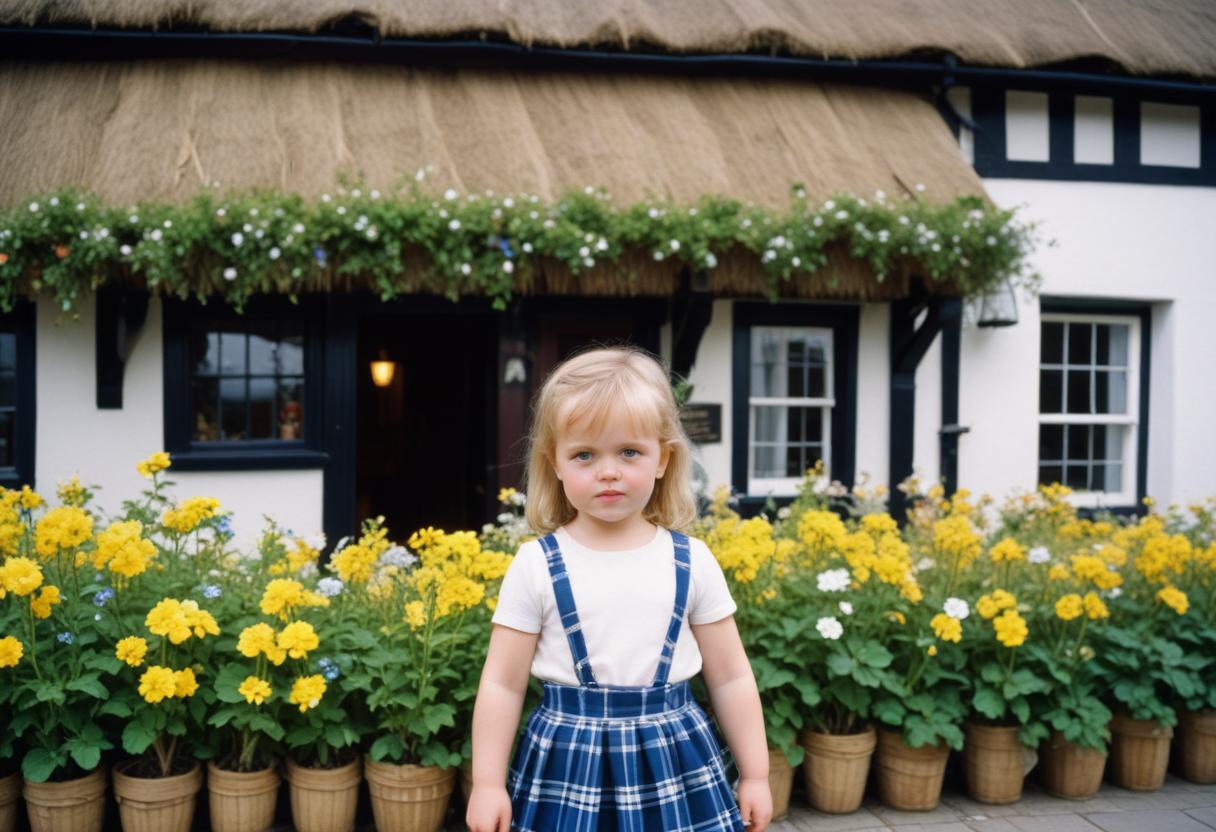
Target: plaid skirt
637, 759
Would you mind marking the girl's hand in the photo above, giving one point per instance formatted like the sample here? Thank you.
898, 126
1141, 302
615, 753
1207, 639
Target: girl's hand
490, 810
755, 803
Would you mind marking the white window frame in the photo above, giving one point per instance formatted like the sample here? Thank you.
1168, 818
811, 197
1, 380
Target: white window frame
1131, 420
788, 486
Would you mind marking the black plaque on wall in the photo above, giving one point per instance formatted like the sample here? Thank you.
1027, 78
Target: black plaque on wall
702, 422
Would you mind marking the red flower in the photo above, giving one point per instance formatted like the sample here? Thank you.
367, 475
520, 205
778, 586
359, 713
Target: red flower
62, 251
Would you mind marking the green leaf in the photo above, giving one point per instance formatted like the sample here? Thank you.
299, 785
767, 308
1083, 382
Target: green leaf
875, 655
137, 737
388, 747
115, 707
39, 764
49, 692
90, 684
437, 716
840, 664
86, 756
989, 703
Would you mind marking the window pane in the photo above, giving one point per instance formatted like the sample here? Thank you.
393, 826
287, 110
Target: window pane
1114, 477
795, 457
765, 464
263, 350
232, 353
1051, 443
1051, 391
1078, 391
8, 458
1110, 391
232, 408
1076, 477
205, 352
768, 422
1112, 344
261, 408
1050, 474
291, 408
767, 363
818, 382
796, 380
8, 388
8, 351
795, 424
1052, 345
1076, 439
1080, 343
789, 362
291, 353
206, 426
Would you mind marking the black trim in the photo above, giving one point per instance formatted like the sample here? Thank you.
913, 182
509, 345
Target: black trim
691, 312
991, 150
844, 321
951, 430
120, 312
22, 321
1143, 311
340, 391
252, 455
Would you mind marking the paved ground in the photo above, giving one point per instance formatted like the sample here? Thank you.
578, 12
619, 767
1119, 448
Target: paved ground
1179, 806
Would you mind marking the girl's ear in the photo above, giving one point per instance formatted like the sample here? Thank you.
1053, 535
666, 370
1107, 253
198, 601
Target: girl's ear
664, 458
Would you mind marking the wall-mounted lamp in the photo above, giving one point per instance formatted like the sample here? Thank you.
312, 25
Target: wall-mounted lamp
383, 370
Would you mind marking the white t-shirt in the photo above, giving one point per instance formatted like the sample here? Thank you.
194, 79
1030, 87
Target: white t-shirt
624, 602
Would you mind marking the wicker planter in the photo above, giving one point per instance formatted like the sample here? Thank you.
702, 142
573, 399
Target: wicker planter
157, 804
909, 779
324, 799
242, 801
780, 782
1139, 753
76, 805
408, 798
835, 769
995, 763
1070, 770
10, 793
1195, 745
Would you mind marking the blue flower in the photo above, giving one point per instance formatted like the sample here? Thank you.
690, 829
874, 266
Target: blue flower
329, 669
65, 638
505, 246
102, 596
212, 591
319, 255
223, 526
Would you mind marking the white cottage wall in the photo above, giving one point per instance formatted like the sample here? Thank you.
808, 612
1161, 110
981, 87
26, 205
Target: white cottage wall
874, 393
712, 376
1149, 243
103, 446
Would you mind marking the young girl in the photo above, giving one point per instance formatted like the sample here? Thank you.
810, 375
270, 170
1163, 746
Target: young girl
614, 610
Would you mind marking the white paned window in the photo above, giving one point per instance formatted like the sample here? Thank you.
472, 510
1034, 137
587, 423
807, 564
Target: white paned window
1089, 406
790, 406
1169, 135
1026, 127
1094, 131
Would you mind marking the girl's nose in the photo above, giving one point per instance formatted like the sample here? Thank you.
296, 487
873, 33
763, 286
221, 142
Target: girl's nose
610, 472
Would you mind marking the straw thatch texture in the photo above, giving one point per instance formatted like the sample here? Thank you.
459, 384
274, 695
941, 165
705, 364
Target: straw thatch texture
1150, 37
162, 130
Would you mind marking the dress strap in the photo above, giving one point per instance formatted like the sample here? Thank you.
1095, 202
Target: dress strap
683, 563
565, 607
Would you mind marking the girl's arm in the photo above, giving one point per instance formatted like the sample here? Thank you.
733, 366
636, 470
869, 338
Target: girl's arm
500, 700
736, 701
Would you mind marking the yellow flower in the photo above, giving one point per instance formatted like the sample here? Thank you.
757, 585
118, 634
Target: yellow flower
21, 576
355, 563
821, 532
71, 492
300, 555
65, 527
932, 651
47, 598
1008, 551
491, 603
159, 461
458, 593
284, 595
947, 628
1058, 572
1096, 570
989, 605
897, 617
11, 651
415, 614
131, 650
307, 692
911, 590
1173, 598
956, 539
255, 690
184, 683
157, 683
186, 517
168, 618
1010, 628
1069, 607
122, 549
505, 495
260, 638
297, 638
425, 539
199, 620
29, 498
1095, 608
879, 524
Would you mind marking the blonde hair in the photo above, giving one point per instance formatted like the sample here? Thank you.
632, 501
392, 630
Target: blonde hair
590, 386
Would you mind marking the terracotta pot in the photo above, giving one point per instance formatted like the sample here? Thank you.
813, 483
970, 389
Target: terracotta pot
157, 804
10, 793
995, 763
78, 805
1070, 770
835, 769
324, 799
909, 779
1195, 745
780, 782
1139, 753
242, 801
408, 798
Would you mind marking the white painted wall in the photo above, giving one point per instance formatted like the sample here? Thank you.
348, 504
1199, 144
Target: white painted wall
873, 393
712, 377
103, 446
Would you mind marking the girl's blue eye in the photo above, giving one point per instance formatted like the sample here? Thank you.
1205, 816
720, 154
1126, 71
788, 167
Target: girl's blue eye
629, 453
583, 456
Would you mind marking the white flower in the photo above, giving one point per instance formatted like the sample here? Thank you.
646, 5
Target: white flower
527, 247
1039, 554
372, 232
710, 261
134, 218
508, 202
829, 628
325, 197
956, 608
156, 234
259, 233
419, 175
298, 228
508, 267
588, 261
675, 245
846, 607
658, 255
841, 215
375, 194
923, 564
795, 261
1114, 593
54, 200
818, 221
903, 220
920, 188
936, 247
125, 250
588, 190
601, 244
454, 225
84, 235
238, 238
230, 273
450, 194
880, 195
274, 253
308, 570
398, 556
800, 193
584, 251
34, 207
341, 209
990, 240
833, 580
329, 587
829, 205
465, 268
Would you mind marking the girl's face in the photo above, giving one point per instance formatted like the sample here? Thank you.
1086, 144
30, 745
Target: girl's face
609, 474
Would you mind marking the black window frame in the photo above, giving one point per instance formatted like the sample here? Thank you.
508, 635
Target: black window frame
1144, 312
844, 322
21, 322
179, 316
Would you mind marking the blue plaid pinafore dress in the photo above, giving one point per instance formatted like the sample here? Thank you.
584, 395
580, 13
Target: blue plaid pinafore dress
614, 757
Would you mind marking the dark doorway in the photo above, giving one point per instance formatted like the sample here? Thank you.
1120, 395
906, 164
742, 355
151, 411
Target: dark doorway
426, 440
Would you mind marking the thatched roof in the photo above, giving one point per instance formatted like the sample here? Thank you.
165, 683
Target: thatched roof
1144, 37
161, 130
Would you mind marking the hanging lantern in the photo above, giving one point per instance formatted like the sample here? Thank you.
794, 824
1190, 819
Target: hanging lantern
383, 370
998, 306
